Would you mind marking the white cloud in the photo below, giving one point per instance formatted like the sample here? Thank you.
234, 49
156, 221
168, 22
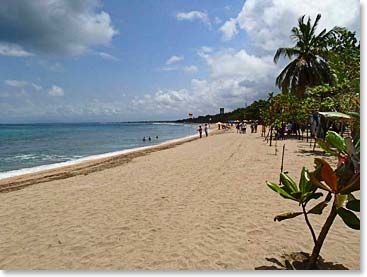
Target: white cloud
107, 56
20, 84
56, 91
164, 101
57, 27
217, 20
174, 59
236, 78
16, 83
194, 15
36, 87
191, 69
13, 50
240, 64
229, 29
268, 22
206, 49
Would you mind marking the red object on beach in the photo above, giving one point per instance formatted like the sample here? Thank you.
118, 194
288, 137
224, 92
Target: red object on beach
342, 160
200, 132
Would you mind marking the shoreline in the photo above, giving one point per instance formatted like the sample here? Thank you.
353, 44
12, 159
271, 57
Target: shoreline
38, 168
20, 178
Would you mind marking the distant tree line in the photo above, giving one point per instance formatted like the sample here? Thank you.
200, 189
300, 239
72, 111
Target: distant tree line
251, 112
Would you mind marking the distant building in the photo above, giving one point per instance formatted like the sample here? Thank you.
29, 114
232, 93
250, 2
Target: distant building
190, 115
221, 110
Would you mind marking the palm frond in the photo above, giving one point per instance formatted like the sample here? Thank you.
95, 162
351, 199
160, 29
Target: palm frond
313, 29
285, 52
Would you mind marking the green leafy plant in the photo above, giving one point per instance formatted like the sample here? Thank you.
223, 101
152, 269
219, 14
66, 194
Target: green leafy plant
338, 183
302, 193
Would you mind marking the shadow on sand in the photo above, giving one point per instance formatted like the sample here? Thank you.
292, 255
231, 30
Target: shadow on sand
311, 152
298, 261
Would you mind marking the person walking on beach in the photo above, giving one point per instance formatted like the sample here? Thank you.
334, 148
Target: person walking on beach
263, 129
244, 125
206, 130
200, 131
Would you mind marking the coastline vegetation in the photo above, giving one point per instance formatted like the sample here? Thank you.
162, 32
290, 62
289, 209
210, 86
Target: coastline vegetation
324, 77
320, 86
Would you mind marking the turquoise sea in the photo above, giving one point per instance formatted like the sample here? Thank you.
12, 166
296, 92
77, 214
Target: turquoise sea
30, 147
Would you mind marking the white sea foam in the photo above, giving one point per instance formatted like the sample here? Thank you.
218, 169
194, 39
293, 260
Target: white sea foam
167, 123
23, 171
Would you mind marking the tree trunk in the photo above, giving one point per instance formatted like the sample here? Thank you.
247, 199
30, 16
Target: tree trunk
271, 134
320, 240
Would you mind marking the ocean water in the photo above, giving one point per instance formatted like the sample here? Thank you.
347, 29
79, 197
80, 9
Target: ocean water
41, 146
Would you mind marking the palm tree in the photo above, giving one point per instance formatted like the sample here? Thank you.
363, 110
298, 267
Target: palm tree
309, 66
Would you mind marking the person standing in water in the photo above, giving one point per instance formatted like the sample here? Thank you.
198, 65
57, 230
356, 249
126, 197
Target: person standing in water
206, 130
200, 131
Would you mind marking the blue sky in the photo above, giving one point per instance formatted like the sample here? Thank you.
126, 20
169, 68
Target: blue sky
68, 61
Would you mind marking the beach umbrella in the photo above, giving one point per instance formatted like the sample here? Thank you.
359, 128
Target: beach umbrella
336, 115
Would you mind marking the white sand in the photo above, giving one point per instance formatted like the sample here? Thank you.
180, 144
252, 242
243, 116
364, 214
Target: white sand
200, 205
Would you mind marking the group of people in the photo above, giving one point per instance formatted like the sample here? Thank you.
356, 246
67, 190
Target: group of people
149, 138
206, 130
290, 128
242, 126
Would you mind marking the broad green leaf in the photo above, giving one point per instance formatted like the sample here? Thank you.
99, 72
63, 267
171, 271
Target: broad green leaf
336, 140
351, 197
318, 208
279, 190
326, 147
286, 216
288, 182
310, 195
335, 115
354, 205
304, 182
354, 115
349, 218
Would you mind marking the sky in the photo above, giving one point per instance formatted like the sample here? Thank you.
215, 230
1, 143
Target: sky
89, 60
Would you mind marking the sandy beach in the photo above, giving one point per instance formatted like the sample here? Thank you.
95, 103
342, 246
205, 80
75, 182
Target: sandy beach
198, 205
